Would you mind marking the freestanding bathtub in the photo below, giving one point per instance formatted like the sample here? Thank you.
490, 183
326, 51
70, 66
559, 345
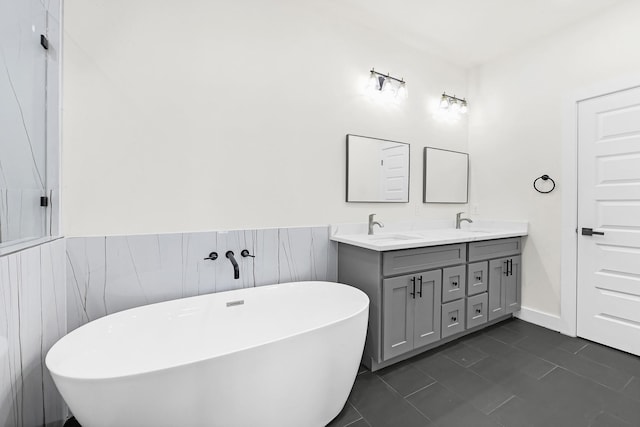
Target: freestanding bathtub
280, 355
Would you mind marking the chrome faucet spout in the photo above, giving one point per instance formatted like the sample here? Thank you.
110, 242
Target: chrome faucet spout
236, 268
459, 220
372, 223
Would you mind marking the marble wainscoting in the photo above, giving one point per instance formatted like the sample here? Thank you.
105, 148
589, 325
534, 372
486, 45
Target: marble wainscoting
110, 274
32, 319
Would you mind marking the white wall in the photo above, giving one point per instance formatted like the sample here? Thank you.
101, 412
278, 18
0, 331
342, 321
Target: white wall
197, 115
516, 131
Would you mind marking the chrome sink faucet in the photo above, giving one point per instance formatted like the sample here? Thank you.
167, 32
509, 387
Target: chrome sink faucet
372, 223
459, 220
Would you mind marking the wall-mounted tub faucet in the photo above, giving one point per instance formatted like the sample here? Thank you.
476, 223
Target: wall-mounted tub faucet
372, 223
236, 269
459, 220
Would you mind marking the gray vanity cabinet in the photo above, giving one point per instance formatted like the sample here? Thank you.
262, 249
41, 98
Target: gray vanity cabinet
504, 286
423, 297
410, 312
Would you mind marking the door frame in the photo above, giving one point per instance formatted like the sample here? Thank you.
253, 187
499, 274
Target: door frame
569, 236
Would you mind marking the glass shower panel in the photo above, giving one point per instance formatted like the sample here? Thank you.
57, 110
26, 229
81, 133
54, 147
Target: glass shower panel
23, 63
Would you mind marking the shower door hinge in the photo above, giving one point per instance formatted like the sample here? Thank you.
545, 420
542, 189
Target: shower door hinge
44, 201
44, 41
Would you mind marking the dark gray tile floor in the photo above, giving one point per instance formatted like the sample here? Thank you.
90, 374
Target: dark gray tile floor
510, 375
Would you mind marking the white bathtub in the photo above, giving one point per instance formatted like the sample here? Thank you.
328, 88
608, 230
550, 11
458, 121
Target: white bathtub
286, 356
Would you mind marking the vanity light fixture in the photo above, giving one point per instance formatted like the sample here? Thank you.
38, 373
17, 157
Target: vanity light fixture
453, 103
451, 107
390, 86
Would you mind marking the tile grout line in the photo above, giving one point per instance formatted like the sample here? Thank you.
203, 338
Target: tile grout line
553, 369
420, 389
580, 349
583, 376
627, 384
477, 361
419, 411
354, 421
472, 363
562, 367
502, 404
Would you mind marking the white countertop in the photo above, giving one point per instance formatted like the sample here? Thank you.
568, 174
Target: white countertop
406, 235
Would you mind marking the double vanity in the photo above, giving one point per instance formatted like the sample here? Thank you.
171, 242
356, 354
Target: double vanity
429, 284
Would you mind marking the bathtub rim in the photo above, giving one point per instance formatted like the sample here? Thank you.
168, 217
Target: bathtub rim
200, 360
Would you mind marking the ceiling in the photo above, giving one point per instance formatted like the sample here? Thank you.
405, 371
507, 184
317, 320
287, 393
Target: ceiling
471, 32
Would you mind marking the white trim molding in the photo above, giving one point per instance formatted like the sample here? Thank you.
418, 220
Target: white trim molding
540, 318
568, 321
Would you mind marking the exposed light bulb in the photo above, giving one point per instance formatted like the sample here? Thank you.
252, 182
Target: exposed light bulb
463, 107
374, 82
387, 87
455, 107
402, 91
444, 103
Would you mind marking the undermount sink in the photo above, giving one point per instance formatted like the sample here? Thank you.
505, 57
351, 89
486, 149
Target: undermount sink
391, 237
451, 232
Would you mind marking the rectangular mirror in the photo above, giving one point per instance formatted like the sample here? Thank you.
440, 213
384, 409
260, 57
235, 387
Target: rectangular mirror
446, 176
377, 170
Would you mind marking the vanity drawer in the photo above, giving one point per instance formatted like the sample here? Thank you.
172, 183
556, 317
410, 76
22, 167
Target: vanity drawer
477, 277
452, 318
494, 248
411, 260
477, 310
453, 283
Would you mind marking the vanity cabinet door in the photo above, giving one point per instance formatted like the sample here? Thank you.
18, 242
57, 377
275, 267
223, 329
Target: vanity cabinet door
427, 308
504, 286
497, 276
513, 286
397, 315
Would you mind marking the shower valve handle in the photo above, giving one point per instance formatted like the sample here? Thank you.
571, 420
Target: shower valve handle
212, 256
245, 253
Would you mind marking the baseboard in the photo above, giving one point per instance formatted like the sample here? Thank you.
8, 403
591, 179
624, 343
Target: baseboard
540, 318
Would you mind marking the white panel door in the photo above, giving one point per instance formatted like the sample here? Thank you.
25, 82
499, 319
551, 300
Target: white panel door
394, 179
609, 203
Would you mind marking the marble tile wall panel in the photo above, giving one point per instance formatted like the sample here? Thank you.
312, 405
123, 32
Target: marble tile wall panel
110, 274
32, 319
305, 254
